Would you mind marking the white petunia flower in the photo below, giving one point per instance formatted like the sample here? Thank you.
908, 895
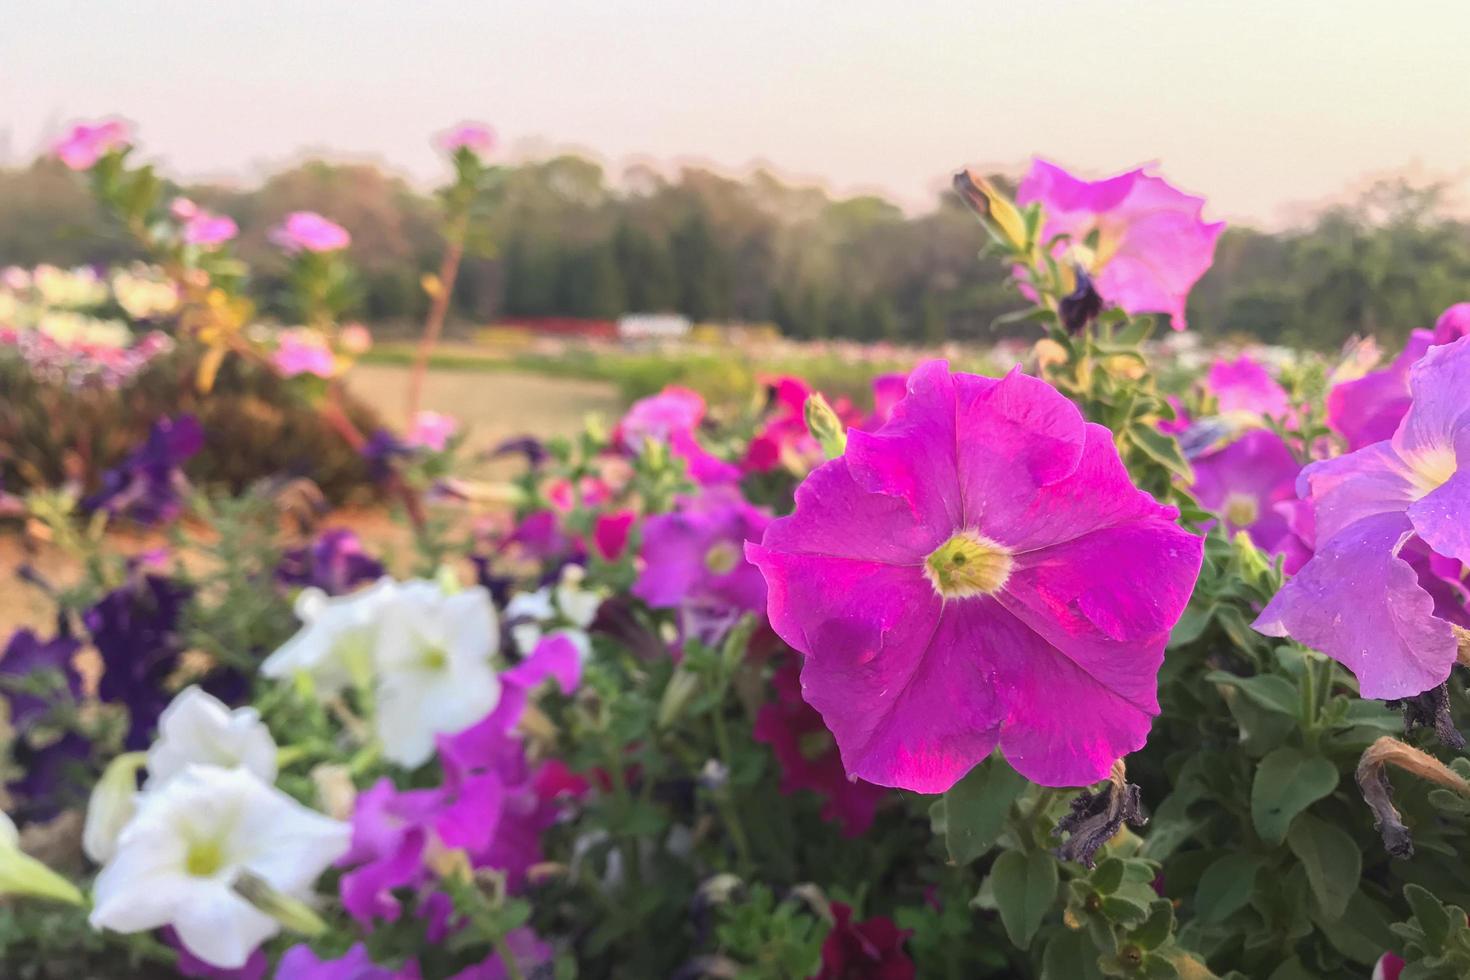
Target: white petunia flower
435, 674
577, 604
192, 841
527, 612
197, 727
334, 646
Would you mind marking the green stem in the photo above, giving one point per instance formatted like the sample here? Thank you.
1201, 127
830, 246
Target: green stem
512, 968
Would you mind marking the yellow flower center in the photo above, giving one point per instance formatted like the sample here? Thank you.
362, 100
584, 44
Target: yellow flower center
722, 558
1431, 469
433, 658
204, 858
968, 564
1241, 510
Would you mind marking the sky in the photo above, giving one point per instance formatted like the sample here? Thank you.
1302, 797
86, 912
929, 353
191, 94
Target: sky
1266, 108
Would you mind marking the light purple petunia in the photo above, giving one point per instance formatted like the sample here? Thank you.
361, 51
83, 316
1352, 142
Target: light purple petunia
300, 963
310, 232
1360, 599
1244, 385
87, 143
1152, 244
1251, 484
979, 571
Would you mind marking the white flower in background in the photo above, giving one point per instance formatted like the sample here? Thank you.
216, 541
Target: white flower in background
527, 612
197, 727
435, 675
530, 613
335, 646
577, 604
192, 841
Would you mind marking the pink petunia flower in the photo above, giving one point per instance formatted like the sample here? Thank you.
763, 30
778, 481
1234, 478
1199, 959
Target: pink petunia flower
209, 230
672, 417
1245, 386
182, 208
1251, 484
310, 232
1390, 966
872, 949
1360, 599
610, 533
87, 143
431, 430
476, 137
1369, 409
888, 391
1452, 324
808, 756
979, 571
355, 339
784, 439
1152, 243
301, 350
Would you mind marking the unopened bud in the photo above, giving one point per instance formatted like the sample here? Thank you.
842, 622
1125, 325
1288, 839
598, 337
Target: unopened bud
1002, 219
682, 688
111, 806
825, 426
21, 874
292, 913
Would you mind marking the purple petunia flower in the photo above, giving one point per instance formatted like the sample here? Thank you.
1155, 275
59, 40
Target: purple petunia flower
149, 485
379, 452
300, 963
1359, 600
808, 756
1251, 483
25, 656
979, 571
1152, 244
335, 563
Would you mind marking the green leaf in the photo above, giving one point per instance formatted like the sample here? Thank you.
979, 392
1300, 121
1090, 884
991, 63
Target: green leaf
1162, 449
975, 809
1430, 913
1226, 886
1070, 956
1332, 861
1156, 928
1269, 691
1287, 782
1025, 888
1292, 969
1108, 875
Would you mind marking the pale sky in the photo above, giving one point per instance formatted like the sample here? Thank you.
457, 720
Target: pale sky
1261, 105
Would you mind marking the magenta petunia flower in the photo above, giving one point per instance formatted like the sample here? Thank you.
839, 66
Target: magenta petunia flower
672, 417
808, 756
475, 137
979, 571
784, 439
872, 949
431, 430
87, 143
1452, 324
1251, 484
301, 350
1152, 244
1359, 600
209, 230
610, 533
301, 963
310, 232
888, 391
1245, 386
694, 557
1368, 409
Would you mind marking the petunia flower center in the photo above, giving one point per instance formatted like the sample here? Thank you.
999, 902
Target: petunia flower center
967, 565
1241, 510
204, 858
1431, 469
721, 558
433, 658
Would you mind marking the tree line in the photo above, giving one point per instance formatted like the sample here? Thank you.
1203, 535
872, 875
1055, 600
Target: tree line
564, 240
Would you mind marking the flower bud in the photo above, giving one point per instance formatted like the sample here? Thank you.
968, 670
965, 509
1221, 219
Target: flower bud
21, 874
111, 806
825, 426
1002, 219
682, 688
292, 913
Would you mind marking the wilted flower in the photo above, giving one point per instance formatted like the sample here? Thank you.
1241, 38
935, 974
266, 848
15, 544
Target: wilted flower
302, 350
980, 570
87, 143
1359, 599
475, 137
193, 841
431, 430
808, 756
310, 232
1251, 483
1152, 245
872, 949
148, 486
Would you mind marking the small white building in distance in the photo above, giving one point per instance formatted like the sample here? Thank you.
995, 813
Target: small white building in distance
653, 326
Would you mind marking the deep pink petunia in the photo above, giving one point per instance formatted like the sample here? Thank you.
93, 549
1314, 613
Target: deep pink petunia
673, 417
610, 533
87, 143
808, 756
1360, 600
1452, 324
979, 571
475, 137
1368, 409
310, 232
784, 439
1251, 484
1245, 386
1152, 245
1390, 966
870, 950
888, 391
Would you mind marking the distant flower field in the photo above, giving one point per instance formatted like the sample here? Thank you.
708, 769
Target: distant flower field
1103, 653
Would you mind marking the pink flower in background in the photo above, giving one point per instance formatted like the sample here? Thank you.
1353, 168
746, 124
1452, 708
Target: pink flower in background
808, 756
87, 143
310, 232
1251, 484
1452, 324
1360, 599
182, 208
1244, 385
672, 417
888, 391
476, 137
695, 555
301, 350
610, 533
208, 230
431, 430
1369, 409
784, 438
1390, 966
1152, 243
872, 949
979, 571
355, 339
